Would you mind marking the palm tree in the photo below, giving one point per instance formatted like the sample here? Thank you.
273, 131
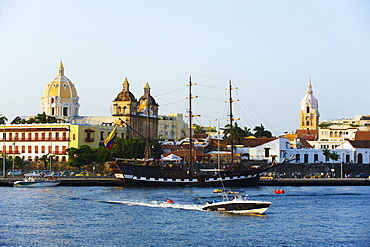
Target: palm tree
260, 131
334, 156
247, 132
3, 119
326, 153
199, 129
235, 133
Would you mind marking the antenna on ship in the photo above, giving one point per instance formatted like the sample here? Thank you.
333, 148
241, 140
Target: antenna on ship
191, 127
231, 121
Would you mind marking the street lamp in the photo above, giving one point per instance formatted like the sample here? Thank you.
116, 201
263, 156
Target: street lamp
13, 152
218, 144
4, 154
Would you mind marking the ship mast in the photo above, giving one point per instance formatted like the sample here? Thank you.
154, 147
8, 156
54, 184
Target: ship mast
231, 121
147, 146
191, 158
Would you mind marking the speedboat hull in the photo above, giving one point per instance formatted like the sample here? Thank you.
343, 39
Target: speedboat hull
36, 184
238, 207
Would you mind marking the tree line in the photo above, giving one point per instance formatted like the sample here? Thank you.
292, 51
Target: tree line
237, 134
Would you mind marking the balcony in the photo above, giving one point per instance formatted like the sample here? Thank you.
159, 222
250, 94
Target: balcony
87, 139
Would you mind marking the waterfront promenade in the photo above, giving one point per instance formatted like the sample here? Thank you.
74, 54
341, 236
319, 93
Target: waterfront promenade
105, 181
315, 182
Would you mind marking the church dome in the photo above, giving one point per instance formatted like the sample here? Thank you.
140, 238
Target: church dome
60, 96
60, 87
125, 94
146, 100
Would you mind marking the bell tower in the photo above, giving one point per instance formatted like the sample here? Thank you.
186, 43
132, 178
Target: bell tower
309, 114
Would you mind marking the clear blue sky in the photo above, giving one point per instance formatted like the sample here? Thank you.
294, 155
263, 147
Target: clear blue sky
268, 49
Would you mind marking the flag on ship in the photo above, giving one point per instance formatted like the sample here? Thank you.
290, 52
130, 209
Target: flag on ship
108, 143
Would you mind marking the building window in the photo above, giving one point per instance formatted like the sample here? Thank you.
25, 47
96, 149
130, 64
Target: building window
102, 135
315, 157
65, 111
305, 158
267, 152
23, 149
74, 137
43, 149
36, 149
29, 149
298, 158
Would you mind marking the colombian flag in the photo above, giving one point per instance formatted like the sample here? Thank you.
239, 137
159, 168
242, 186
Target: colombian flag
108, 143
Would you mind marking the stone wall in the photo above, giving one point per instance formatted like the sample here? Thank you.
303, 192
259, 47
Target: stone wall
306, 169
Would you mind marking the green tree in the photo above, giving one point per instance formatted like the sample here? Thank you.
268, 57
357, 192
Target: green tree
235, 133
102, 154
324, 124
334, 156
247, 132
199, 129
79, 157
17, 120
260, 131
46, 160
42, 118
128, 148
3, 119
326, 153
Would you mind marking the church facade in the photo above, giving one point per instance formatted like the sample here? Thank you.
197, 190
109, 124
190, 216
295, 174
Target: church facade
140, 116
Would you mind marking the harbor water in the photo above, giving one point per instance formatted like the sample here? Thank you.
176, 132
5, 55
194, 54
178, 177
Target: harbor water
117, 216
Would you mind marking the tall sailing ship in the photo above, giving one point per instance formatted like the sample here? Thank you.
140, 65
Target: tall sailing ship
146, 172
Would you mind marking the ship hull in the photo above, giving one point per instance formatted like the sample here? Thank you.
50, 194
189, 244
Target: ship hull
157, 176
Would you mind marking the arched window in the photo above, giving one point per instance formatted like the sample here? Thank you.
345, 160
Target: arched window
308, 109
359, 158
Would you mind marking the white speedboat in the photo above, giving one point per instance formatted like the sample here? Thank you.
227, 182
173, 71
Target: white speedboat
238, 205
35, 180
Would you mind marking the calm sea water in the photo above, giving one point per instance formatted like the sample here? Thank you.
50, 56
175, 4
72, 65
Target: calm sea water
115, 216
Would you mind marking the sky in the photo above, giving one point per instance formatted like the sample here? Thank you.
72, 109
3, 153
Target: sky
268, 49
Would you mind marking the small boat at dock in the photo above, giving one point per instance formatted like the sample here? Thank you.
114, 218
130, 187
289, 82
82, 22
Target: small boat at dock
36, 180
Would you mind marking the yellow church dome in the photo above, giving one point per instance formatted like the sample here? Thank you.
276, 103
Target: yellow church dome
61, 86
60, 96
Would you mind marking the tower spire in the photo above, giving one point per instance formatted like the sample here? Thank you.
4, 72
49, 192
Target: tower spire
61, 69
309, 86
125, 84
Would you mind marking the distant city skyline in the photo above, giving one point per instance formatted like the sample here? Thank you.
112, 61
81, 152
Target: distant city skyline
268, 49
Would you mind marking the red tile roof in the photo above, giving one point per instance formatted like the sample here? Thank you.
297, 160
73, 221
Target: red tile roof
255, 142
360, 144
362, 135
307, 134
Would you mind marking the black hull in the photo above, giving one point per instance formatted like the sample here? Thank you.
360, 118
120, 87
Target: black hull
156, 176
239, 206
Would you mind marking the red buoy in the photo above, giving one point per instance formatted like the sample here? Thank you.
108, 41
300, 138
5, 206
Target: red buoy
279, 191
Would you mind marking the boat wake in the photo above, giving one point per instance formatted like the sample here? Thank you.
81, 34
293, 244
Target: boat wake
156, 204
